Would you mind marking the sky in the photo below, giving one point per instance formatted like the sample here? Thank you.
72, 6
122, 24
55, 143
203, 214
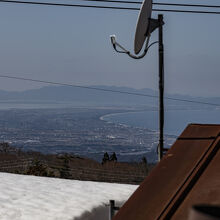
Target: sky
72, 45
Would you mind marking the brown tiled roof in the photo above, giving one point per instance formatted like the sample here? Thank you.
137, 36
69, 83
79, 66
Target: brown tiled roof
188, 174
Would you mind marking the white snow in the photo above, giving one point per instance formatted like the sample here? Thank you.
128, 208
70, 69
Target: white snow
41, 198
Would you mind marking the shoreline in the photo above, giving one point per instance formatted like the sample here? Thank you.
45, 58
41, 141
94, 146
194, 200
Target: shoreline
127, 125
122, 124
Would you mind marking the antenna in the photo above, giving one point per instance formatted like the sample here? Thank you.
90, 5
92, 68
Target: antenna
145, 26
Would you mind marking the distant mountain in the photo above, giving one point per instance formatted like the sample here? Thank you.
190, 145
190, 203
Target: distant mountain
96, 97
81, 95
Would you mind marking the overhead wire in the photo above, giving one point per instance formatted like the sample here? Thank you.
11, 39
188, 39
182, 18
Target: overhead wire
107, 90
105, 7
155, 3
187, 11
65, 5
186, 5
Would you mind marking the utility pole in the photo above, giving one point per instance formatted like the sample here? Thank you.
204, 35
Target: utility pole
161, 88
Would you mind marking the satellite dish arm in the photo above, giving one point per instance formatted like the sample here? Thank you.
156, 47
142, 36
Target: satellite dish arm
145, 50
115, 44
123, 50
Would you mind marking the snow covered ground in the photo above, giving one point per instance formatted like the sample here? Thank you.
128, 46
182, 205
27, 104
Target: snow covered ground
41, 198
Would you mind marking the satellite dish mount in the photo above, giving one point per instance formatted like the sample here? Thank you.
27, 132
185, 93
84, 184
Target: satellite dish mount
145, 26
153, 25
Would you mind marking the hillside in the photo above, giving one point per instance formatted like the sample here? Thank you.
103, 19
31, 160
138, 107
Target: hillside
69, 166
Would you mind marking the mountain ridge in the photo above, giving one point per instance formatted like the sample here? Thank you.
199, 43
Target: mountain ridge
105, 95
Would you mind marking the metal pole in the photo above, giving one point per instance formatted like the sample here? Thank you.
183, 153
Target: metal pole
161, 87
111, 211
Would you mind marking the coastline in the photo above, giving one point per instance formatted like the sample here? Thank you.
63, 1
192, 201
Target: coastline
102, 118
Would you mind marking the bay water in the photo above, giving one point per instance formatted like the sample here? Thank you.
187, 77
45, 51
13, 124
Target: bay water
175, 120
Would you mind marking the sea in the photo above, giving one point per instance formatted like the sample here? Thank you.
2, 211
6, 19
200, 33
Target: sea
175, 121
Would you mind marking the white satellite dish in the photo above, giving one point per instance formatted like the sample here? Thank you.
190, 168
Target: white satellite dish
142, 28
145, 26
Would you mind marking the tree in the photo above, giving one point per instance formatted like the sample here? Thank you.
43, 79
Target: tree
113, 157
144, 162
65, 169
105, 158
37, 169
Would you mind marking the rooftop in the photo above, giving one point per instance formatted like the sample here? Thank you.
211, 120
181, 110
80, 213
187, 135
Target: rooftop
187, 175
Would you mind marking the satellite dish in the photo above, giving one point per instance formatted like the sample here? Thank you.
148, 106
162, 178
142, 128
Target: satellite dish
145, 26
143, 23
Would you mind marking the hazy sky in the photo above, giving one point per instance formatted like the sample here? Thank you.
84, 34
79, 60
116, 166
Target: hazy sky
72, 45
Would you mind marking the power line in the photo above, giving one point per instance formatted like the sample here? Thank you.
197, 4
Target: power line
187, 5
66, 5
76, 86
187, 11
107, 90
113, 1
155, 3
105, 7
